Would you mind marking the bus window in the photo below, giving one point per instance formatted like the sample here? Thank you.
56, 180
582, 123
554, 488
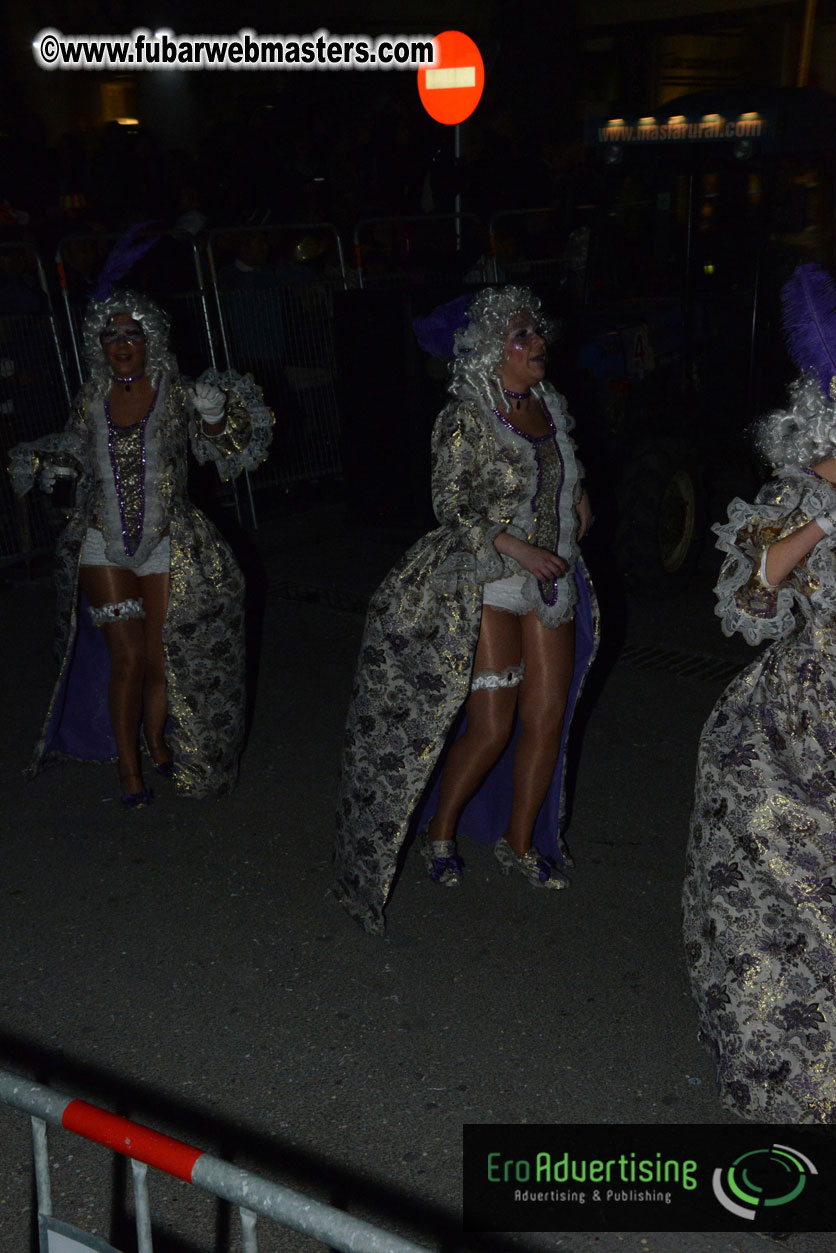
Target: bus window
640, 233
801, 229
727, 208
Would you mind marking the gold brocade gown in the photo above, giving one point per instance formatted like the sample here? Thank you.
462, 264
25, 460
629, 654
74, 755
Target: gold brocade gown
414, 669
203, 633
760, 890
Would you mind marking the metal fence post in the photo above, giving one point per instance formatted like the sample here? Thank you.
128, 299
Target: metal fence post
144, 1236
249, 1192
248, 1230
41, 1154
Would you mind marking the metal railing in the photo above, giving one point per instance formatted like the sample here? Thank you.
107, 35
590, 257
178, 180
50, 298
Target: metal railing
35, 392
528, 246
253, 1195
416, 248
274, 306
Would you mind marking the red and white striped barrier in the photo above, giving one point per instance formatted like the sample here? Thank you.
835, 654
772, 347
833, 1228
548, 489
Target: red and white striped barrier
145, 1147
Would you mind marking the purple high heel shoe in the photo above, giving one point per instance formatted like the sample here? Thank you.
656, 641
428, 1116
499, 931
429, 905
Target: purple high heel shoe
532, 865
137, 800
443, 862
134, 800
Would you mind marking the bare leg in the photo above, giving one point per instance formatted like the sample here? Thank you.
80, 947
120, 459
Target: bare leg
155, 590
490, 717
106, 585
549, 657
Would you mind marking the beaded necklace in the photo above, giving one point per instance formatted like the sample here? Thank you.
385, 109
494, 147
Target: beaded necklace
518, 396
127, 379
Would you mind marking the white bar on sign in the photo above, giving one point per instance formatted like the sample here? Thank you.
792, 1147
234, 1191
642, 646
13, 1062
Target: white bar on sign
456, 76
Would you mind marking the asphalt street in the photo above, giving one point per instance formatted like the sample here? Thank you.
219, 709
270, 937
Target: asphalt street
185, 965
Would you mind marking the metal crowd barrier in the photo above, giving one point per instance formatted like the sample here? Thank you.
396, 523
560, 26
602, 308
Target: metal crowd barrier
251, 1194
274, 288
418, 248
523, 229
34, 392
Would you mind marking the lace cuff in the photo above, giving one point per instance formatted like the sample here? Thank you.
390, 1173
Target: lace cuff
25, 460
746, 602
479, 561
246, 434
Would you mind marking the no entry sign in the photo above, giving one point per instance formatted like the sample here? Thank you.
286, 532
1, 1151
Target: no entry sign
451, 88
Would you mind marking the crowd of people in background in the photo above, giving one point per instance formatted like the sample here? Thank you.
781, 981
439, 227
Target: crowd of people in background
270, 164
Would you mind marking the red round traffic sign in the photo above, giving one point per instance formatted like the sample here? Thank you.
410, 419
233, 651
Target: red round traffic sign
451, 87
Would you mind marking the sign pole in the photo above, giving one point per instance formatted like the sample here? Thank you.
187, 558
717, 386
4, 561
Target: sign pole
457, 207
450, 90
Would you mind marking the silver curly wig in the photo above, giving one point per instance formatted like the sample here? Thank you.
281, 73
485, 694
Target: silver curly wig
802, 434
154, 321
480, 345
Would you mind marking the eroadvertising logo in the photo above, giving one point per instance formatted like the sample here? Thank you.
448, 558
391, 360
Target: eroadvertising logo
641, 1177
762, 1177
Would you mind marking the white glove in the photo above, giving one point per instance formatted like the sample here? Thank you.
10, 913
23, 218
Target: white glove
208, 401
47, 477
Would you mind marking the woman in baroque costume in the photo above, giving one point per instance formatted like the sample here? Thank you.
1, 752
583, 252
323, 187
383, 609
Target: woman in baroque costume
759, 899
477, 642
150, 598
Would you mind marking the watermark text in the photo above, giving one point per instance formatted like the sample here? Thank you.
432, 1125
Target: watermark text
162, 49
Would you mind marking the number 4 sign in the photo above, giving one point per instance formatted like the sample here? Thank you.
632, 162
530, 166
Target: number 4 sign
638, 350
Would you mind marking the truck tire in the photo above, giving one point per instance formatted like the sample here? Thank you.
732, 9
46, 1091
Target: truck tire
661, 518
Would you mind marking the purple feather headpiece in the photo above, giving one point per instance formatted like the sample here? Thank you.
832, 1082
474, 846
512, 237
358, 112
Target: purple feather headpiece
125, 252
435, 332
809, 306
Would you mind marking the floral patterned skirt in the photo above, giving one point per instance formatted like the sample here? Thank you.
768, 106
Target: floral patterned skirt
760, 920
411, 682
